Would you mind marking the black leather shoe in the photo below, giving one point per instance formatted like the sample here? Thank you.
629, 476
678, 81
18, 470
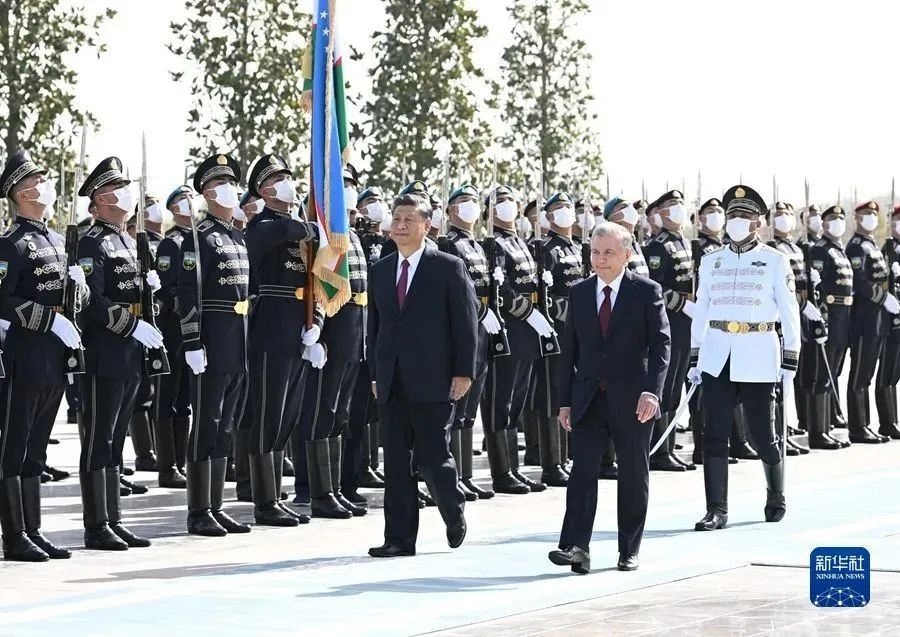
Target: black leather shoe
389, 550
843, 444
796, 445
355, 498
204, 524
146, 463
534, 487
791, 451
689, 466
56, 474
273, 516
555, 477
578, 559
133, 541
456, 533
712, 521
301, 518
823, 442
368, 479
482, 493
628, 562
48, 547
890, 431
864, 436
744, 451
697, 458
172, 479
137, 489
732, 461
103, 539
775, 506
127, 471
465, 493
609, 471
508, 484
427, 499
46, 477
355, 509
229, 523
20, 548
665, 462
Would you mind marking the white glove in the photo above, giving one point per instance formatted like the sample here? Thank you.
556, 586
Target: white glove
821, 340
689, 309
66, 331
4, 328
895, 268
548, 278
196, 360
491, 322
147, 335
499, 277
811, 312
311, 336
814, 277
153, 281
891, 304
316, 355
76, 275
787, 378
694, 376
539, 324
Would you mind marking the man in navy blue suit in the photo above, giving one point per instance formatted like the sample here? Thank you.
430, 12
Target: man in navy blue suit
615, 353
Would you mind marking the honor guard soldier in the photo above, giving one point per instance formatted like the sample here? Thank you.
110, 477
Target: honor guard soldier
325, 413
889, 363
212, 292
651, 214
584, 223
32, 270
836, 296
463, 211
280, 343
812, 325
813, 230
874, 305
562, 259
506, 387
114, 339
623, 213
743, 291
173, 395
671, 265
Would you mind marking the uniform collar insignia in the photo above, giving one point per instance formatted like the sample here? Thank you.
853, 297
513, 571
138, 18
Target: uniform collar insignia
740, 249
115, 227
39, 224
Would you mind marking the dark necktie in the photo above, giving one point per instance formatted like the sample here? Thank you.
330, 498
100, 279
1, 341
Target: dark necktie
402, 283
605, 310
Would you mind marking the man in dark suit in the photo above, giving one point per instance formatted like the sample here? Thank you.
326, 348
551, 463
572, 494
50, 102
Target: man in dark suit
615, 356
421, 346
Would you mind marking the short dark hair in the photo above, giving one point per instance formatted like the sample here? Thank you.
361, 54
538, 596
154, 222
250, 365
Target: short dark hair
420, 203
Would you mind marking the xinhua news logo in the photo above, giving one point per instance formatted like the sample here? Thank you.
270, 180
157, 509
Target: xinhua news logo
839, 577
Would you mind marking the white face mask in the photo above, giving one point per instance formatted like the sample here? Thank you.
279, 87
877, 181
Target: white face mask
545, 223
46, 193
896, 226
677, 214
350, 196
226, 195
815, 224
631, 215
715, 221
836, 228
124, 200
386, 223
376, 211
238, 214
257, 206
506, 211
523, 226
738, 229
467, 211
655, 220
184, 207
564, 217
586, 221
436, 218
49, 213
156, 214
868, 222
784, 223
284, 191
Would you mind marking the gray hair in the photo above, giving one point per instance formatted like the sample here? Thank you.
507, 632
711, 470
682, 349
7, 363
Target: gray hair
614, 230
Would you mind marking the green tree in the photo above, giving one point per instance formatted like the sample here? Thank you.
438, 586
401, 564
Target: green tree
247, 80
424, 90
37, 86
546, 97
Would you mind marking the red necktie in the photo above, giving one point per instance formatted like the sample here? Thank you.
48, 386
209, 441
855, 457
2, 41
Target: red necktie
605, 310
402, 283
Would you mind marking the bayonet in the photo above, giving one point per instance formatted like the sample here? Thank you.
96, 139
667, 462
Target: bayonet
74, 358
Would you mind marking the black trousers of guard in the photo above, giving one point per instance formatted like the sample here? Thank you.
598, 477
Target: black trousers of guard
590, 438
505, 392
422, 429
720, 396
889, 362
836, 353
276, 395
865, 351
173, 391
107, 405
678, 362
29, 411
467, 407
217, 402
362, 407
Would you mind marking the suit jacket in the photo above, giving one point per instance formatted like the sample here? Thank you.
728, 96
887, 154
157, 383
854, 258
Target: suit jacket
433, 339
634, 356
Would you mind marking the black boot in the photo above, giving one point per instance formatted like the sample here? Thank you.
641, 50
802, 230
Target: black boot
498, 458
335, 459
242, 466
114, 511
142, 439
688, 466
17, 546
278, 465
323, 504
217, 469
512, 445
837, 418
697, 430
662, 460
367, 477
551, 470
200, 520
265, 496
97, 534
182, 425
738, 447
775, 506
456, 452
886, 405
531, 425
374, 446
818, 416
465, 468
715, 481
57, 475
31, 507
170, 477
857, 421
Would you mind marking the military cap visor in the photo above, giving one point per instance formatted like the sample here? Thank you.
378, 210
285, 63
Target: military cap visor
181, 190
560, 197
351, 174
710, 203
108, 171
610, 206
265, 167
19, 166
367, 193
466, 190
417, 186
220, 165
743, 199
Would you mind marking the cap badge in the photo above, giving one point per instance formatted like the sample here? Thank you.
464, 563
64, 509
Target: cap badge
222, 160
873, 205
114, 164
740, 192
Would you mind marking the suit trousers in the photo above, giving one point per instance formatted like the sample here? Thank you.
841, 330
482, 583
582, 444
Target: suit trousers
720, 396
590, 438
29, 412
422, 429
218, 402
107, 405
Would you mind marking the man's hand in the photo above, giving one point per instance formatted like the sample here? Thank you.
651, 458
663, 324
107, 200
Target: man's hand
694, 376
459, 386
647, 406
811, 312
565, 418
490, 322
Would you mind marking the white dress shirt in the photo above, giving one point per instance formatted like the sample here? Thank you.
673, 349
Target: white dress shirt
413, 259
615, 290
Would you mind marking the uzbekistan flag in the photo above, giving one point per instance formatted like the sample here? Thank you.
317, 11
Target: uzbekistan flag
329, 141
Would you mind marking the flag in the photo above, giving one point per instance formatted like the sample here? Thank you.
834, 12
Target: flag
329, 142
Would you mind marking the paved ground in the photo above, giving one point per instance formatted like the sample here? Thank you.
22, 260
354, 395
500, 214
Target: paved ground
749, 579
